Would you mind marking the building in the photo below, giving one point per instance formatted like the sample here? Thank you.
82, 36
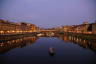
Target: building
7, 27
94, 28
84, 28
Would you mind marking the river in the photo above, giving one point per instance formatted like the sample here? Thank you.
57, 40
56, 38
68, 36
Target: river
35, 50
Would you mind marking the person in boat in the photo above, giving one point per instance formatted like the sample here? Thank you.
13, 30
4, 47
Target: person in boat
51, 51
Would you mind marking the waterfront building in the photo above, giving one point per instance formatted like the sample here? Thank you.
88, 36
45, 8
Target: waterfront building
84, 28
7, 27
94, 27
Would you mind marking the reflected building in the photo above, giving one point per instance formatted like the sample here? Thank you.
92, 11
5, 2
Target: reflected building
89, 44
18, 43
62, 37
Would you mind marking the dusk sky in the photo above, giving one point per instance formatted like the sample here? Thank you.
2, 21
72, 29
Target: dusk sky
48, 13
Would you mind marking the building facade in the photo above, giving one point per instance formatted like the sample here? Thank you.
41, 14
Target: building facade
7, 27
94, 28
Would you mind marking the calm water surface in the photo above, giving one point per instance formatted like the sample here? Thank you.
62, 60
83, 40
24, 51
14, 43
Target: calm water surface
35, 50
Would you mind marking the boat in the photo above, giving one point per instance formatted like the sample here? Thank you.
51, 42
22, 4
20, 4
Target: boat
50, 34
39, 35
51, 51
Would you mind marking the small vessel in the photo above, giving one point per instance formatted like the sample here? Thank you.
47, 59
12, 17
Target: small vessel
50, 34
51, 51
39, 34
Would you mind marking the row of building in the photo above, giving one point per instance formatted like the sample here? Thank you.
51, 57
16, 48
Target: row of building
85, 28
7, 27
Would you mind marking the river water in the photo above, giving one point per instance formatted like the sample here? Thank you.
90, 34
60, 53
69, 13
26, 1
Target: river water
35, 50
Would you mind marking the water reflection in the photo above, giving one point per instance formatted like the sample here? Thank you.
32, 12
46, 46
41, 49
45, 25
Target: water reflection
6, 46
18, 43
57, 49
90, 44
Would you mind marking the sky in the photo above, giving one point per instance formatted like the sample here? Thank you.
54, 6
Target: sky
48, 13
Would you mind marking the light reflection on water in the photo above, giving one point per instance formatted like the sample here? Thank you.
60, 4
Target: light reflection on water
35, 50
